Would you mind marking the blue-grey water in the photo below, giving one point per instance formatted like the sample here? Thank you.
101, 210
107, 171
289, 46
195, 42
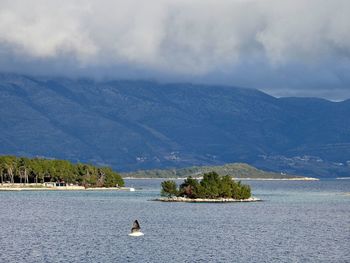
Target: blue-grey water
297, 222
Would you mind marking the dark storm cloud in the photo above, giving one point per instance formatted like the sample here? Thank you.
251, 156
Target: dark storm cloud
284, 47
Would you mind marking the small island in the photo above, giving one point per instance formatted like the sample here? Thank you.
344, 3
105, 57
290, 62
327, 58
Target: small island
213, 188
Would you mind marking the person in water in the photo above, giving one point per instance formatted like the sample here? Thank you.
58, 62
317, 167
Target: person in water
135, 227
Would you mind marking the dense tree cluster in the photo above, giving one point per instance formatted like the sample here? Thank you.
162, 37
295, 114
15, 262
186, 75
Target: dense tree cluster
25, 170
211, 186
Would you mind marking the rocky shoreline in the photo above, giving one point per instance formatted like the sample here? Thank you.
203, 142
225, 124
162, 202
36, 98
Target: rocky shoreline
205, 200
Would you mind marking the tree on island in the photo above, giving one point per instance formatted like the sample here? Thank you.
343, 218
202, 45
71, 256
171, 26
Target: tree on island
212, 186
169, 189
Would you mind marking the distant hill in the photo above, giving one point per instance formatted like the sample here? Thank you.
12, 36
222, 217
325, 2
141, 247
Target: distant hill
236, 170
133, 125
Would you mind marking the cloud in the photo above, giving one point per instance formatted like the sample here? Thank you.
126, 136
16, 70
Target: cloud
180, 39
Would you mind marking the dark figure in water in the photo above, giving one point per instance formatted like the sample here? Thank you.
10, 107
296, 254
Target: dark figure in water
135, 227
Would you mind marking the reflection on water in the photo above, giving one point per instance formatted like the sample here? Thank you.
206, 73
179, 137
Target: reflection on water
298, 222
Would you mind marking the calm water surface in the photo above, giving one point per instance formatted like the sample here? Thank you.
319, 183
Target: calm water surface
297, 222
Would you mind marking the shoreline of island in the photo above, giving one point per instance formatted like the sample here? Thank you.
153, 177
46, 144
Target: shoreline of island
205, 200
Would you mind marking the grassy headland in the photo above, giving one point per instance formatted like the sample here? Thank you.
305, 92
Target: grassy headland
236, 170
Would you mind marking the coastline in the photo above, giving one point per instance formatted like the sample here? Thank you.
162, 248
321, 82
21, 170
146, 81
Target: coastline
21, 187
205, 200
236, 179
279, 179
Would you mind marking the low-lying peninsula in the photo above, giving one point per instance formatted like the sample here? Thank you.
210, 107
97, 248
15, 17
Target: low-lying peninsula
241, 171
213, 188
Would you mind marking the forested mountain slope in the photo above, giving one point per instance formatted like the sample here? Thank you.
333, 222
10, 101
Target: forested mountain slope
134, 125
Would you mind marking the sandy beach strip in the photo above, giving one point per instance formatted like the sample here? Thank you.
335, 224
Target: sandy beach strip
17, 187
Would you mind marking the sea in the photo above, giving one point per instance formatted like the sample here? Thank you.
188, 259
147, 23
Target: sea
297, 221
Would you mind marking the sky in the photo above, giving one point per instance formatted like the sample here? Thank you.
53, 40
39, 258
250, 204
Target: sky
283, 47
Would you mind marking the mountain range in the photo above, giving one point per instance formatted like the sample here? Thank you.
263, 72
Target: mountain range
132, 125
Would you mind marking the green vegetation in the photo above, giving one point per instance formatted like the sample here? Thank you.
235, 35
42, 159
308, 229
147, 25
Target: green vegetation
212, 186
169, 188
237, 170
25, 170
